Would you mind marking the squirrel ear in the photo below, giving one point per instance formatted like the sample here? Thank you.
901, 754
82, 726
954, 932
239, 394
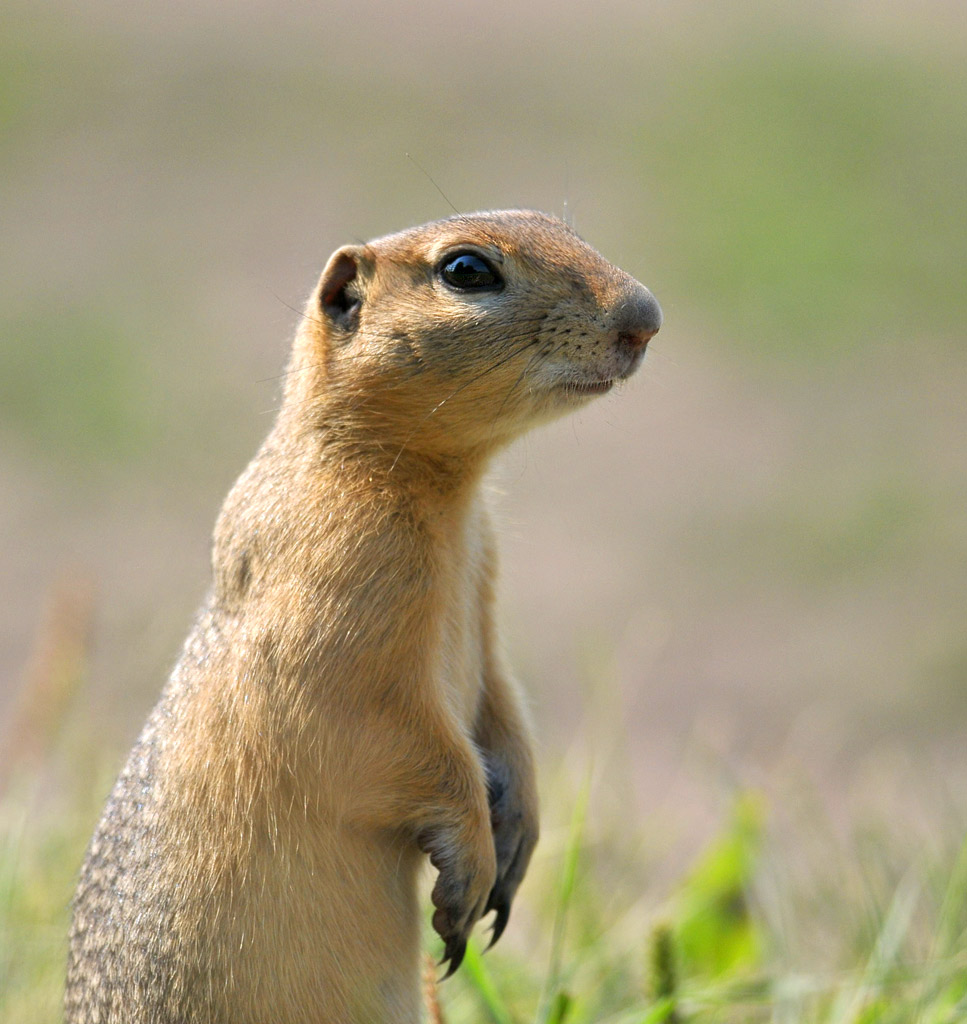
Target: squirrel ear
339, 298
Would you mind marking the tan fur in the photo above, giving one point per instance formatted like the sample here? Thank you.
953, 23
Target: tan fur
340, 708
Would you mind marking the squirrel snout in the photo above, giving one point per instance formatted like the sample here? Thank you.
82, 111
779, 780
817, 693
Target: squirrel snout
637, 319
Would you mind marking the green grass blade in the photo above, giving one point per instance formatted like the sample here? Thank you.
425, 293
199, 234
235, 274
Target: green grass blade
951, 911
849, 1007
660, 1012
560, 1008
479, 977
565, 894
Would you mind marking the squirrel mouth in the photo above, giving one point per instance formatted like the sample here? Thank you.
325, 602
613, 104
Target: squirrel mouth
596, 387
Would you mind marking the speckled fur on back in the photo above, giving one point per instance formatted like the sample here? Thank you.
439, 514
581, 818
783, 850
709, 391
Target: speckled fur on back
341, 711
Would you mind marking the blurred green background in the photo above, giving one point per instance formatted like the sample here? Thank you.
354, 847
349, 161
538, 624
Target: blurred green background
749, 565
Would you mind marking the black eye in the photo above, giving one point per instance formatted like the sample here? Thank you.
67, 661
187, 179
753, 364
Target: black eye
470, 272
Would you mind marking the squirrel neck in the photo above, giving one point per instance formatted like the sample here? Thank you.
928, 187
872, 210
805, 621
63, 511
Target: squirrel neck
363, 444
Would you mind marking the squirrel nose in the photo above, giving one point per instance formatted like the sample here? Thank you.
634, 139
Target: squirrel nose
637, 319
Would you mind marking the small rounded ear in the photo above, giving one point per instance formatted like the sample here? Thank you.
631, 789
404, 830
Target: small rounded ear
339, 297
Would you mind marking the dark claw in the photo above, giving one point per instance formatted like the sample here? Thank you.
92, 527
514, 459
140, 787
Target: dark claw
452, 924
503, 893
454, 951
500, 922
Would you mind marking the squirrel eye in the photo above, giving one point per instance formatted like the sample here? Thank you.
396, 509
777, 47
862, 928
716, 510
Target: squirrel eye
470, 272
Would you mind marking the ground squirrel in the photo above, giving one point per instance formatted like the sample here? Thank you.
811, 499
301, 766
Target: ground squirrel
340, 708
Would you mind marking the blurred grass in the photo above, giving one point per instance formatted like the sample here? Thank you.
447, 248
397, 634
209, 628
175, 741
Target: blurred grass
818, 197
39, 859
713, 956
707, 953
80, 389
596, 943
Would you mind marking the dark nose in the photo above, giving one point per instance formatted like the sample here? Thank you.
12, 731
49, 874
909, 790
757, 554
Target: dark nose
637, 319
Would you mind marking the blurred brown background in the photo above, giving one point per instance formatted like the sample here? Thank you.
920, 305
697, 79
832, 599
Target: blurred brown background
749, 561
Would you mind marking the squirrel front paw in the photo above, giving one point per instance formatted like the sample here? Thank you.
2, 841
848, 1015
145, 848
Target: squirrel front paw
467, 878
513, 819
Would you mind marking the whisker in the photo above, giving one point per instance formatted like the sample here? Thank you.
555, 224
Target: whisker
523, 373
419, 167
299, 312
